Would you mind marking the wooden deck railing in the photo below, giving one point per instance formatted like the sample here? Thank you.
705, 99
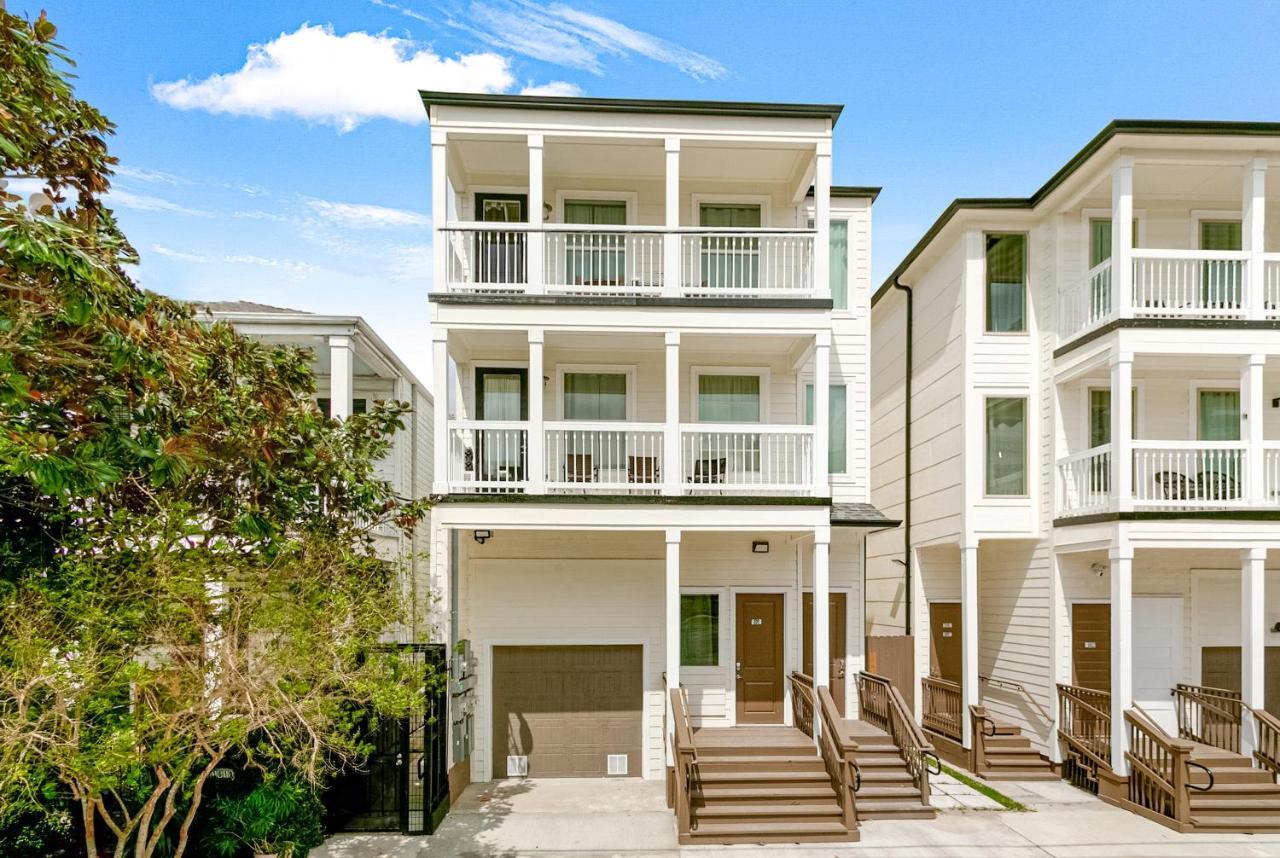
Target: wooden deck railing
685, 755
1209, 715
882, 706
1158, 769
942, 707
839, 754
802, 702
1084, 730
1267, 754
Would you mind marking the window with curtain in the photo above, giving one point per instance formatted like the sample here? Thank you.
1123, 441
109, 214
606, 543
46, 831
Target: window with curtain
1220, 281
1218, 415
730, 262
1006, 283
1100, 416
838, 242
1100, 239
699, 630
1006, 446
593, 259
729, 398
502, 398
595, 396
837, 426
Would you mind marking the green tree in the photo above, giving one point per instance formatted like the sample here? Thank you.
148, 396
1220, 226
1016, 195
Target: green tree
188, 566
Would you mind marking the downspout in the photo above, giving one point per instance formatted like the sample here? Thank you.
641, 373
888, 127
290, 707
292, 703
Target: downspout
906, 440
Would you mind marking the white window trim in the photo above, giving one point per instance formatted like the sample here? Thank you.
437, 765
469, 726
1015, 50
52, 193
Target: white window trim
1200, 215
761, 371
1028, 453
726, 641
470, 196
846, 215
1139, 419
1194, 388
469, 389
806, 380
629, 198
1028, 284
764, 201
627, 370
1086, 215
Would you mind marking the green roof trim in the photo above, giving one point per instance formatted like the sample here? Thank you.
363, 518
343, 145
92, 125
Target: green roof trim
1188, 127
635, 105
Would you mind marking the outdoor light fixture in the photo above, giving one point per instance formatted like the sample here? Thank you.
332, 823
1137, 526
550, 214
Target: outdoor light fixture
760, 547
1276, 628
482, 535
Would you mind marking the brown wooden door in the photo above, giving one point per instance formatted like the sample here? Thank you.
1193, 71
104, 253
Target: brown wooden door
945, 655
1091, 646
1220, 668
836, 639
759, 655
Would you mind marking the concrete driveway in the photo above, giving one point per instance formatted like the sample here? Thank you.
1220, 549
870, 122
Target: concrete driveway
617, 817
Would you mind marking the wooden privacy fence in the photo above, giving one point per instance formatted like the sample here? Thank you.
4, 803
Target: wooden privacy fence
893, 657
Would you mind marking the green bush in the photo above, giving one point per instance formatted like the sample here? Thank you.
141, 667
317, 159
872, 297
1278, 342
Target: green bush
280, 816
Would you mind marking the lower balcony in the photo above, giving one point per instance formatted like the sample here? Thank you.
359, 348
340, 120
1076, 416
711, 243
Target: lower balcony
608, 458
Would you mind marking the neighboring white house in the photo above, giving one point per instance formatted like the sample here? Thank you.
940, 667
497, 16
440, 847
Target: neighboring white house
1094, 435
633, 303
354, 368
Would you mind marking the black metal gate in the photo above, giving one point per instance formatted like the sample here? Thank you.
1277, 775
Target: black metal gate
405, 784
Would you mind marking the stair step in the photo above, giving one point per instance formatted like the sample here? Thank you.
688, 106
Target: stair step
779, 777
1233, 775
781, 793
1260, 789
749, 813
897, 810
764, 832
1235, 823
765, 763
886, 793
877, 776
1029, 761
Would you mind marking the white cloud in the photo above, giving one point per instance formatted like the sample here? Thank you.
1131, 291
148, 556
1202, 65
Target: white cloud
180, 255
144, 175
555, 87
118, 197
317, 75
409, 263
366, 216
292, 268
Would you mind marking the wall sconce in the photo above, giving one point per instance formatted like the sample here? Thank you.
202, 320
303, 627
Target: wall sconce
482, 535
759, 547
1098, 569
1276, 628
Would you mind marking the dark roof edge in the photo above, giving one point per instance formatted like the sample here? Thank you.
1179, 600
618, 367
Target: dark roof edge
851, 192
635, 105
1117, 126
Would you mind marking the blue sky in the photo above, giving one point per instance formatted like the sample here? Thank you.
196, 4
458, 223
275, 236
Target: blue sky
296, 172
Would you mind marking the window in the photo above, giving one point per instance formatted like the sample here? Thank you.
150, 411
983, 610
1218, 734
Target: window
1100, 239
1100, 416
358, 406
729, 398
595, 259
1006, 283
699, 630
837, 423
1218, 415
595, 396
838, 242
1220, 281
1006, 446
730, 261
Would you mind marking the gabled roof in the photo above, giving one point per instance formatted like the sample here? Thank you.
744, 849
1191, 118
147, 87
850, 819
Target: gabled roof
1186, 127
634, 105
243, 307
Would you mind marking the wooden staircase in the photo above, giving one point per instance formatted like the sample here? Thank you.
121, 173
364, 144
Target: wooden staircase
1002, 753
887, 789
1241, 797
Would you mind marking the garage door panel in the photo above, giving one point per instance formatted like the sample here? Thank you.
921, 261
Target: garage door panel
567, 707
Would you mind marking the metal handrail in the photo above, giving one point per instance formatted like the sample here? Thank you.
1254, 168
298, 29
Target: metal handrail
1208, 771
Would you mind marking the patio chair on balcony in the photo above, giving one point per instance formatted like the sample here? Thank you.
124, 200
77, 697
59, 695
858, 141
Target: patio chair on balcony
1214, 485
578, 468
642, 469
709, 470
1175, 485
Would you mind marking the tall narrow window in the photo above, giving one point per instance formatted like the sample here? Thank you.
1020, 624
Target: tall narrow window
595, 258
1100, 416
1006, 446
1219, 415
1221, 280
699, 630
837, 426
1006, 283
730, 261
1100, 239
838, 242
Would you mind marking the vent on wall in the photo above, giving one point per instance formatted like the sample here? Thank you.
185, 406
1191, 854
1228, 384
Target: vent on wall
517, 767
617, 764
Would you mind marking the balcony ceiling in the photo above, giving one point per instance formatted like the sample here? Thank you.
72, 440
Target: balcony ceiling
1196, 182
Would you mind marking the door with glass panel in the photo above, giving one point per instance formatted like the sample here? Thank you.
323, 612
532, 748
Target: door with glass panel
501, 396
595, 258
1221, 280
594, 454
1100, 252
729, 262
1219, 472
1100, 434
500, 256
727, 454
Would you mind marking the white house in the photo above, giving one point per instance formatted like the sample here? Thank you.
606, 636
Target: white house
1092, 517
638, 489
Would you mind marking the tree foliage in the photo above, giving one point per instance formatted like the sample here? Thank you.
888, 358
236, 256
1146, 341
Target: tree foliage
189, 570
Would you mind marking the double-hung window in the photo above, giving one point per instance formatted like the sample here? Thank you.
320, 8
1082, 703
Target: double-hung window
1006, 297
838, 270
1006, 446
837, 426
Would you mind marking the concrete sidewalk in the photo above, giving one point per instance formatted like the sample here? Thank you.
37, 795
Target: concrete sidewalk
625, 817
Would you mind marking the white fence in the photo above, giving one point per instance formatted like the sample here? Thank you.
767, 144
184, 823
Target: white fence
719, 456
1199, 284
602, 456
1271, 285
488, 455
747, 262
1189, 474
1088, 303
1271, 473
603, 261
1084, 482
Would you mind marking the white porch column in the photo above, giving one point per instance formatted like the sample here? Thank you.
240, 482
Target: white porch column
1252, 413
970, 692
671, 429
822, 220
821, 412
341, 377
673, 627
1121, 556
1122, 240
1122, 430
536, 239
671, 275
536, 467
1253, 229
1253, 642
821, 612
439, 209
440, 413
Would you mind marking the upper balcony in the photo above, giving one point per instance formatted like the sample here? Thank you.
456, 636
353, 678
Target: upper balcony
686, 201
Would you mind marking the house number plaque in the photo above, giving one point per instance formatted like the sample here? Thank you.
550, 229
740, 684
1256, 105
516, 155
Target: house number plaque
757, 621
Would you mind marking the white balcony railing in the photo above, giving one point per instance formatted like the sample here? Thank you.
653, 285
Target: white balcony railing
1189, 474
1271, 285
604, 457
1084, 482
766, 459
1271, 473
488, 455
1197, 284
494, 258
1088, 303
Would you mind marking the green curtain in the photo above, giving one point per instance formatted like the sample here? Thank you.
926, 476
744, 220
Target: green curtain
501, 396
837, 426
730, 263
1006, 282
729, 398
699, 630
595, 259
840, 264
595, 396
1219, 415
1220, 235
1099, 417
1006, 446
1100, 239
718, 215
1221, 282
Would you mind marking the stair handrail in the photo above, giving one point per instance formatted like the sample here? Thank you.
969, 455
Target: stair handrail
839, 755
942, 706
802, 702
685, 756
896, 719
1267, 753
1159, 779
1211, 716
1077, 706
979, 721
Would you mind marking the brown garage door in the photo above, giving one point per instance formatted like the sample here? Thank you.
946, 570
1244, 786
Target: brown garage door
567, 708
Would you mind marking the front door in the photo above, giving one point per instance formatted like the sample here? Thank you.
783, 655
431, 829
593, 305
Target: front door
1220, 668
1157, 656
501, 395
500, 254
759, 667
836, 639
945, 653
1091, 645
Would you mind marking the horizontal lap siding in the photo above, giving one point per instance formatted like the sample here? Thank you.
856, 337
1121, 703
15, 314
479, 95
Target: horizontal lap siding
850, 353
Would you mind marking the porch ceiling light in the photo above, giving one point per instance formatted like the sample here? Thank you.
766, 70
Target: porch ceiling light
481, 535
759, 547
